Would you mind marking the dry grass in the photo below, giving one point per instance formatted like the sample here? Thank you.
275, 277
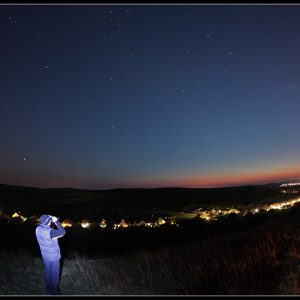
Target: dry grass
265, 263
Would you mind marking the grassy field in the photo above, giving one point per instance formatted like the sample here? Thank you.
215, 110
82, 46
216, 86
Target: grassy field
254, 255
256, 260
261, 267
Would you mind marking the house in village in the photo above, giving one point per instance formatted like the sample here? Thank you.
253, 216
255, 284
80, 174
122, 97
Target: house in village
103, 223
141, 223
160, 221
85, 224
16, 218
121, 224
67, 223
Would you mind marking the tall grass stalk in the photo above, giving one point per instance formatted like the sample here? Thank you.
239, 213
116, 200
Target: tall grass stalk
265, 263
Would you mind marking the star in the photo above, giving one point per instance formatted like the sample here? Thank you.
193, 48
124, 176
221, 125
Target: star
24, 158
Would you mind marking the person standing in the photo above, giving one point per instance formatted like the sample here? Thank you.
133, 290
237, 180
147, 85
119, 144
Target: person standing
47, 238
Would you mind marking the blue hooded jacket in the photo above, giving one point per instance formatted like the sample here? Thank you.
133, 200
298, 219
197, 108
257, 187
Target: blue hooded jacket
48, 243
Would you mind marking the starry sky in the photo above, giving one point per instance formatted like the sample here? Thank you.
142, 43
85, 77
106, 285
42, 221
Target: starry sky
121, 96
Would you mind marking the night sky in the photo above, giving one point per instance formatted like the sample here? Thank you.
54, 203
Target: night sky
121, 96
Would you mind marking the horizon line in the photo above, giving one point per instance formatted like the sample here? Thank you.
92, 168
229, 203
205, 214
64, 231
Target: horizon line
151, 188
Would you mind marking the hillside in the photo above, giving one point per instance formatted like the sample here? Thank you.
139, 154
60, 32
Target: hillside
133, 201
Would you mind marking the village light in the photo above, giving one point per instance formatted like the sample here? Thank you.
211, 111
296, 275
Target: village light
123, 224
160, 221
289, 184
85, 224
172, 221
103, 223
67, 223
275, 206
16, 215
207, 215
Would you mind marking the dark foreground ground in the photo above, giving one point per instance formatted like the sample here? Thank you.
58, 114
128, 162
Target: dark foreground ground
258, 255
254, 255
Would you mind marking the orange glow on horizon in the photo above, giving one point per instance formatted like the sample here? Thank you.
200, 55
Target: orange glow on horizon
214, 179
236, 179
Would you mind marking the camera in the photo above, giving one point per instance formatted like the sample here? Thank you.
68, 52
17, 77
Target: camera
54, 217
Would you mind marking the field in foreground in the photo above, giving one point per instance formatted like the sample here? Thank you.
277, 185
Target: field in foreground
264, 260
254, 255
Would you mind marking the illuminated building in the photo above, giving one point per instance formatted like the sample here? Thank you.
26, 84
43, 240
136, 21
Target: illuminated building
67, 223
103, 223
85, 224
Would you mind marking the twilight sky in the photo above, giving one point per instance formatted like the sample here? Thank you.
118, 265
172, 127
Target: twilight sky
109, 96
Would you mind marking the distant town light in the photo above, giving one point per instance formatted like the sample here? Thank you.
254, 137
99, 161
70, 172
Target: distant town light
16, 215
85, 224
67, 223
275, 206
290, 184
208, 215
103, 223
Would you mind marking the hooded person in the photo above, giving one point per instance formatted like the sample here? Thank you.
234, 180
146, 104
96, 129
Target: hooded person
47, 238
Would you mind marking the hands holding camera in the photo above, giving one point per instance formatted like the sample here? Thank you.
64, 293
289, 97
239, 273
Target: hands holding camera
54, 219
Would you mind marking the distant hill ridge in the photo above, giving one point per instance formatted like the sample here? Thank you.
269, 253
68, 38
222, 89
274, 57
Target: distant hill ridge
72, 202
9, 186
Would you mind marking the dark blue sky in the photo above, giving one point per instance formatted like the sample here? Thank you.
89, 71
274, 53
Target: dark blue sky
105, 96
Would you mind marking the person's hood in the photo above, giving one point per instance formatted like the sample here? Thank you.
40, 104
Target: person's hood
44, 219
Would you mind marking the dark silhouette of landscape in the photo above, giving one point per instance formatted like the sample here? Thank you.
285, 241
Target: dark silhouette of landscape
248, 254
